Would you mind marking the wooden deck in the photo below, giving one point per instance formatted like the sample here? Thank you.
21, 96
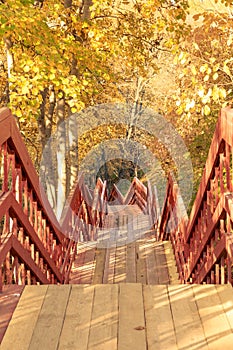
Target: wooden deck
126, 250
121, 317
144, 261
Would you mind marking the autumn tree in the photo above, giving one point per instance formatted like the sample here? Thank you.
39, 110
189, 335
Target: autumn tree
60, 57
204, 80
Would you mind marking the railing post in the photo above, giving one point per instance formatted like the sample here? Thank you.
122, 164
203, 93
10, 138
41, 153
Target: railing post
0, 279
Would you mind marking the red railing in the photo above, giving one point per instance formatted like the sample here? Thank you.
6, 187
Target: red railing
84, 211
203, 243
32, 247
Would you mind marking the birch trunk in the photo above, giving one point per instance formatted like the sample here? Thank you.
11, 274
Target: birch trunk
61, 157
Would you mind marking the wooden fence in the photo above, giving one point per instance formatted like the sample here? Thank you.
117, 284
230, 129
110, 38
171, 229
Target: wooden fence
202, 243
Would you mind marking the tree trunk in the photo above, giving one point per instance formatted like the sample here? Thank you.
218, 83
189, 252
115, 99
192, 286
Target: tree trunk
61, 156
72, 151
86, 9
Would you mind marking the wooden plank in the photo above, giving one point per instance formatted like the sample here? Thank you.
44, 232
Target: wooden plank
49, 324
110, 257
75, 331
214, 320
120, 264
104, 319
100, 256
171, 264
151, 267
76, 272
131, 262
20, 329
187, 323
161, 263
9, 298
131, 334
107, 263
88, 264
140, 262
130, 229
225, 293
159, 323
109, 267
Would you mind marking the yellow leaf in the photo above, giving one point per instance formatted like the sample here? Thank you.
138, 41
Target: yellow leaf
215, 93
206, 110
26, 69
25, 90
18, 113
229, 41
196, 46
73, 109
215, 76
193, 70
52, 76
226, 69
202, 69
222, 93
201, 92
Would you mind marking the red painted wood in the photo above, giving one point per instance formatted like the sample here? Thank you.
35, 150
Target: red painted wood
207, 234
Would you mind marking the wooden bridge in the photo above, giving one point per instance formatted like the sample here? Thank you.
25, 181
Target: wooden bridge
116, 274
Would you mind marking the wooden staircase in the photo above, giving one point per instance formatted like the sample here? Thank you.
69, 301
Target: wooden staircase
121, 317
132, 272
124, 294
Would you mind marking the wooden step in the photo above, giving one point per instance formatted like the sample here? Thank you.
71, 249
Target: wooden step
121, 317
171, 263
143, 261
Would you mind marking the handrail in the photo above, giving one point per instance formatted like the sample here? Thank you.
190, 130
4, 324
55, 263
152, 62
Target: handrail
38, 248
202, 243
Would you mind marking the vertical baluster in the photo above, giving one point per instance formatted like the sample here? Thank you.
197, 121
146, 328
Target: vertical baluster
27, 244
39, 225
222, 228
37, 260
16, 269
5, 168
29, 277
18, 185
8, 268
228, 167
222, 269
23, 274
12, 172
48, 239
212, 277
216, 179
31, 207
229, 277
221, 173
25, 196
217, 277
15, 227
21, 235
41, 264
35, 217
20, 275
32, 249
44, 233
